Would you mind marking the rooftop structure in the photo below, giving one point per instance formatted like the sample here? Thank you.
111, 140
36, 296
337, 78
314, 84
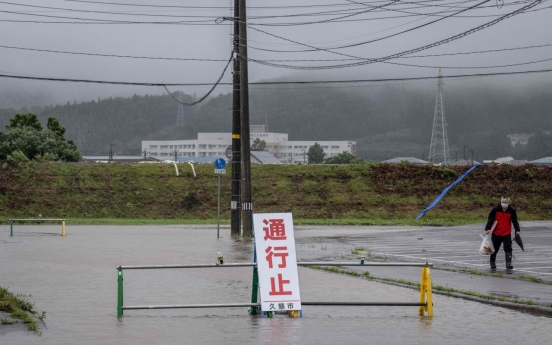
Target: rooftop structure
410, 160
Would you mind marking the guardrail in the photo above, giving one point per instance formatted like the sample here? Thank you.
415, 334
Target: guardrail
38, 220
425, 304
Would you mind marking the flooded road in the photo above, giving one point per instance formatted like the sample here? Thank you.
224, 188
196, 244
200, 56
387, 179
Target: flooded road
74, 279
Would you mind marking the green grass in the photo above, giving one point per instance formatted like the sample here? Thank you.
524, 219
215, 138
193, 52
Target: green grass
134, 194
530, 278
19, 308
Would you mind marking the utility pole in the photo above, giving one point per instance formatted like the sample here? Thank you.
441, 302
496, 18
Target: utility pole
303, 156
110, 153
144, 153
235, 212
175, 159
247, 204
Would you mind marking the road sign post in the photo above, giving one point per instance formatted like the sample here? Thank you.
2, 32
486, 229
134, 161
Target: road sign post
219, 170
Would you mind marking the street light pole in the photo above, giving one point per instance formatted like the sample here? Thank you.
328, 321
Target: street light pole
303, 156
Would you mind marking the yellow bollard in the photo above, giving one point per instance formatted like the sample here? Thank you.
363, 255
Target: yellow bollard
425, 293
62, 228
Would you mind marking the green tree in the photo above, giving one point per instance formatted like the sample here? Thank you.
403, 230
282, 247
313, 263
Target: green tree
316, 154
258, 145
344, 158
54, 126
25, 120
24, 140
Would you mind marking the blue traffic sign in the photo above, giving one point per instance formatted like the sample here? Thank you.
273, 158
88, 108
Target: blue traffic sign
220, 163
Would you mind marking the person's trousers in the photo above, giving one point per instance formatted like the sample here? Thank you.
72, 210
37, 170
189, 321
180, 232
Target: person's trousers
497, 241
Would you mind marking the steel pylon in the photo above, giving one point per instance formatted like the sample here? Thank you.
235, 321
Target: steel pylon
439, 148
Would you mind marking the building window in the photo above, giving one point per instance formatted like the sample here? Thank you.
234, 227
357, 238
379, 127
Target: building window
164, 147
335, 147
325, 147
201, 147
153, 147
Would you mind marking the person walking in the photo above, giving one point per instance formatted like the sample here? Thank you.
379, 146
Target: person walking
505, 216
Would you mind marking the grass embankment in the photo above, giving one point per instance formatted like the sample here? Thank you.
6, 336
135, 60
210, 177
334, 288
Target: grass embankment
353, 195
18, 308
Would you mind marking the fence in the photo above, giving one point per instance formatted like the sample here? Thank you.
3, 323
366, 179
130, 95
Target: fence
39, 220
425, 304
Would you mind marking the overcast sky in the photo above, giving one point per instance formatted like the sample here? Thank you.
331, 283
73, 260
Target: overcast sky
213, 41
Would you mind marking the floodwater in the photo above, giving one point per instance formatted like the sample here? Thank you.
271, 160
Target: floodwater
74, 279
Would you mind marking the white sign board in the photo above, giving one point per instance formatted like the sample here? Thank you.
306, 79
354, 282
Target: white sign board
276, 261
220, 171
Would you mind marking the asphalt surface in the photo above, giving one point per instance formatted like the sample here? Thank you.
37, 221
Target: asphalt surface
447, 248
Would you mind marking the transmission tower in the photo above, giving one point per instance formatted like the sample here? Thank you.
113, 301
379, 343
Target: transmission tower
439, 148
180, 113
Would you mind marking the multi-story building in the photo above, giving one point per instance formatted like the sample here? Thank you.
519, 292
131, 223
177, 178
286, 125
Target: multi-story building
215, 144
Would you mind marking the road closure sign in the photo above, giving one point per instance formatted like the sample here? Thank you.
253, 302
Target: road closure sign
276, 261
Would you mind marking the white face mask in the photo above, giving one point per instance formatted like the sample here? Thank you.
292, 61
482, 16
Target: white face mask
504, 205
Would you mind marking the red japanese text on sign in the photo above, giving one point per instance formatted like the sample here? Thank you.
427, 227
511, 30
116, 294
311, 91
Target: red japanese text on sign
276, 229
276, 251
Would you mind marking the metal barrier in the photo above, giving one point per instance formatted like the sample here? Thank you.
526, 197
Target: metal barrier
425, 304
38, 220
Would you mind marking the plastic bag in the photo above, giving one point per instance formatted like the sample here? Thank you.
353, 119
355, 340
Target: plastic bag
487, 247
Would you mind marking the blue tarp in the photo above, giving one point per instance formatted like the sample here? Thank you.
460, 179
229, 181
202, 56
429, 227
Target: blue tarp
445, 191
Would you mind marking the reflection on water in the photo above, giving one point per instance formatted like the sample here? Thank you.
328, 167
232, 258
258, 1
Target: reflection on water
74, 280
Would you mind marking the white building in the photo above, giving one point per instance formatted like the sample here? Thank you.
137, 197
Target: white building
215, 144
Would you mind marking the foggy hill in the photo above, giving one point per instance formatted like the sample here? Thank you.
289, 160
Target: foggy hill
385, 121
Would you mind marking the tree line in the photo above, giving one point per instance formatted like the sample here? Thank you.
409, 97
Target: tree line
385, 121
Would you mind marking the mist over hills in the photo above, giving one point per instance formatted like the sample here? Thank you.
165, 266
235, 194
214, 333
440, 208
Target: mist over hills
384, 120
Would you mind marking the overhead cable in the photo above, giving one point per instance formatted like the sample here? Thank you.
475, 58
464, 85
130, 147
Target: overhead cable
276, 82
365, 42
206, 95
388, 62
407, 52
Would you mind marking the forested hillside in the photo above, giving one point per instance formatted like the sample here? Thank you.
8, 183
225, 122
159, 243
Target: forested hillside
385, 121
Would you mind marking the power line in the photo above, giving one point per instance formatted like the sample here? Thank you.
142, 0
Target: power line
281, 60
361, 43
408, 52
276, 82
223, 7
111, 55
206, 95
89, 21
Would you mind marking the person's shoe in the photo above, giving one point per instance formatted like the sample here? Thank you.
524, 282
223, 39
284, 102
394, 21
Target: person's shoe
509, 261
493, 265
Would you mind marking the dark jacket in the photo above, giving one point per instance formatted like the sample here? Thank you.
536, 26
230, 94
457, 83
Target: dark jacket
505, 220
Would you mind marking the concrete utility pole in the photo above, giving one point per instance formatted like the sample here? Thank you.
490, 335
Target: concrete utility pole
175, 155
235, 212
247, 204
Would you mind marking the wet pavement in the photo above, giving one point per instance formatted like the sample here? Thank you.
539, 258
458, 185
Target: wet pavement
448, 248
74, 279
